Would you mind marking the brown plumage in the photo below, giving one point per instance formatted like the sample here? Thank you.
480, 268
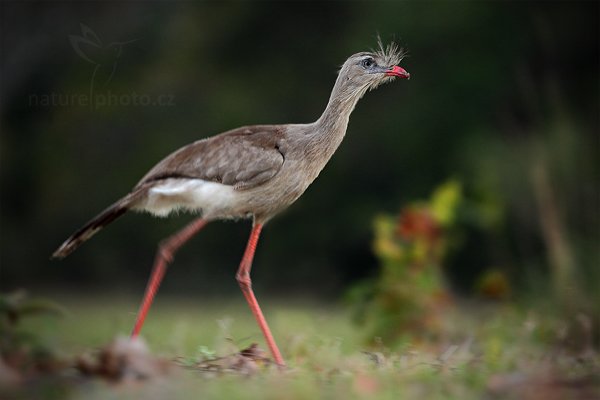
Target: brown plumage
248, 172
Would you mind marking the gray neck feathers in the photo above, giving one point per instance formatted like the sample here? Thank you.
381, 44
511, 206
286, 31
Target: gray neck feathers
330, 128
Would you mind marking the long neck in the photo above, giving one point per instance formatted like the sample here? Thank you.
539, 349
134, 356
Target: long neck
330, 128
341, 103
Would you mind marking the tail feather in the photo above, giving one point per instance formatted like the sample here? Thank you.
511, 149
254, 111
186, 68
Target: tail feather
92, 227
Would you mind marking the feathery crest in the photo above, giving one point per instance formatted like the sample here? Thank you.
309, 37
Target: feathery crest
392, 54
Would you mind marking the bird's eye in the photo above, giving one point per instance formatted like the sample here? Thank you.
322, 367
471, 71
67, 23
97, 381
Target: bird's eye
368, 62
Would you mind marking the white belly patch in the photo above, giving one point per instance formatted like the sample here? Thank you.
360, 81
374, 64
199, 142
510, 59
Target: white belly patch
189, 194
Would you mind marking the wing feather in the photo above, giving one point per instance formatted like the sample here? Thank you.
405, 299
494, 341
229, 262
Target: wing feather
245, 157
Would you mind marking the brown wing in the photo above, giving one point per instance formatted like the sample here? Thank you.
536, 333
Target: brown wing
244, 157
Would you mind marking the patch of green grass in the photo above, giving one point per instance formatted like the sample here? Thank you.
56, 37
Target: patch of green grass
496, 352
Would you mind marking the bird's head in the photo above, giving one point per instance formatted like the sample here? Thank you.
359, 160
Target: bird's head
367, 70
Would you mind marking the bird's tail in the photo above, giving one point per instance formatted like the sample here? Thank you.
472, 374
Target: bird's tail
100, 221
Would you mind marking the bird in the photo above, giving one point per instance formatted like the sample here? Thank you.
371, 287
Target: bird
252, 172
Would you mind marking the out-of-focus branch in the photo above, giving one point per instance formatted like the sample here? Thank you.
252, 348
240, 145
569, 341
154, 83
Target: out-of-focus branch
553, 232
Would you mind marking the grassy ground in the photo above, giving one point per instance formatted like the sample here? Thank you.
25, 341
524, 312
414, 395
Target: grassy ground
493, 352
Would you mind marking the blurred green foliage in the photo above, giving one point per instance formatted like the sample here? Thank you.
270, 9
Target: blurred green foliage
415, 249
503, 96
24, 354
409, 295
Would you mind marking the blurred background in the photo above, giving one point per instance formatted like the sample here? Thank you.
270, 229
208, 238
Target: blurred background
483, 168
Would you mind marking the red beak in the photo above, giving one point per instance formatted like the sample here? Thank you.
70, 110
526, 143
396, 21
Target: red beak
397, 71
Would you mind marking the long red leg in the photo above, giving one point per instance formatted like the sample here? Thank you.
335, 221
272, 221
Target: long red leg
243, 278
164, 255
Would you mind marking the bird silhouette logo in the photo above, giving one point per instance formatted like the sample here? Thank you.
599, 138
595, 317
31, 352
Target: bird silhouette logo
105, 58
